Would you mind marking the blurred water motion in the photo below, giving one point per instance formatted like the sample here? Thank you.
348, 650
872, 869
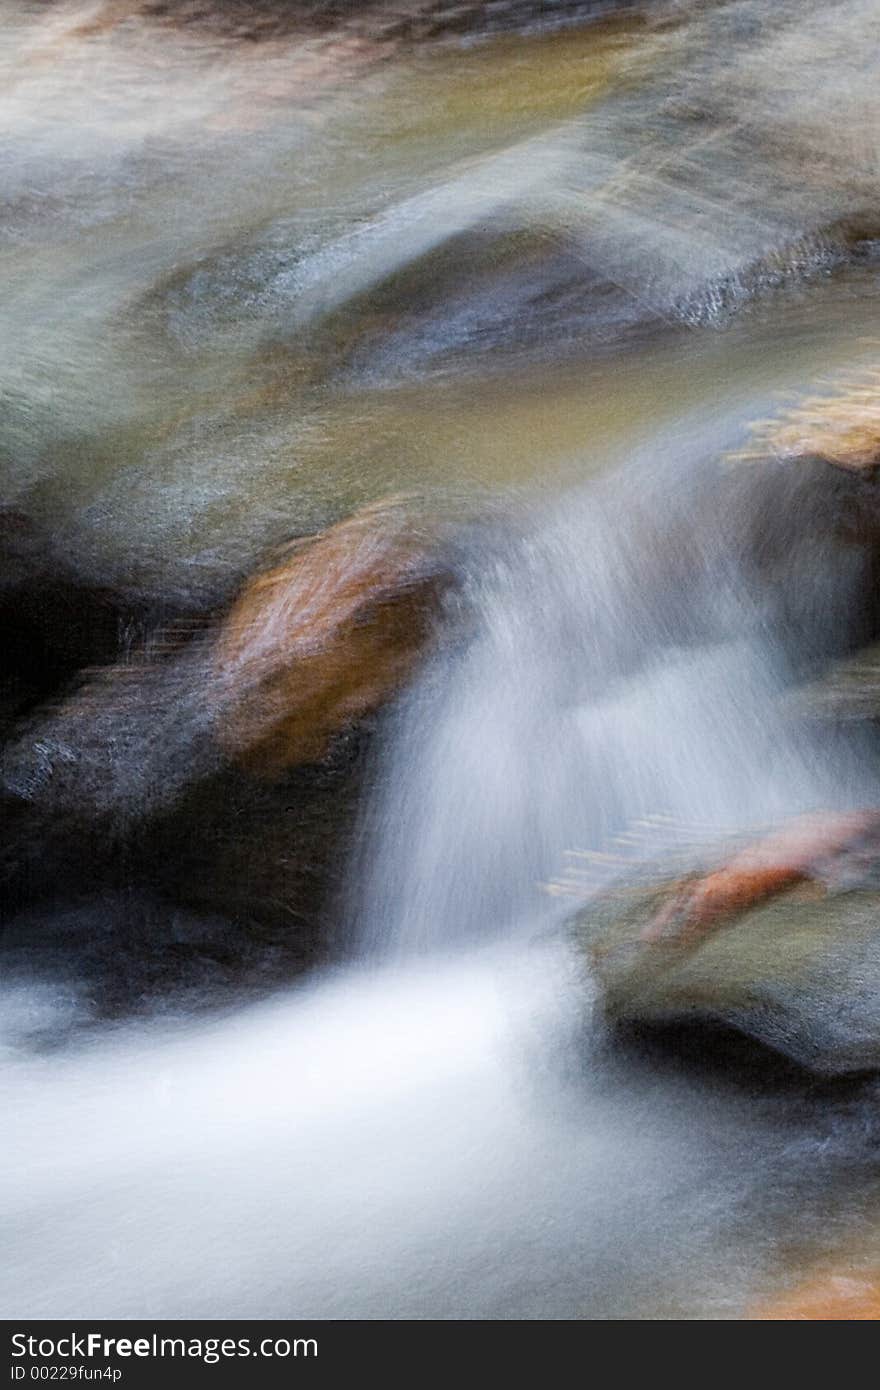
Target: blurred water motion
180, 210
540, 268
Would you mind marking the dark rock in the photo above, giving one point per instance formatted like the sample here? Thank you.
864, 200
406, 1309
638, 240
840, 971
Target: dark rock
221, 770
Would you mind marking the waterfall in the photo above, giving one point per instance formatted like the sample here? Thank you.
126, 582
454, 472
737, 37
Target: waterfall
621, 697
536, 272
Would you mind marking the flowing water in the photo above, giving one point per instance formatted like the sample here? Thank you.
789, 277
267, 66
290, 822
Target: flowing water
544, 277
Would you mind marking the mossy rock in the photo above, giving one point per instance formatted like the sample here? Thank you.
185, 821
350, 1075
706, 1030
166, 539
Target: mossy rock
800, 973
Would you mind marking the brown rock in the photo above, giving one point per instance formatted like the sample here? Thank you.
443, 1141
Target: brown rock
841, 427
797, 853
832, 1297
325, 637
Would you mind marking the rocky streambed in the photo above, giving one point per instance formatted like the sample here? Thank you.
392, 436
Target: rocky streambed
440, 460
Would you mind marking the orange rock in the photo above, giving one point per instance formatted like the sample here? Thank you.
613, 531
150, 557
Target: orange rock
842, 426
790, 856
827, 1298
325, 637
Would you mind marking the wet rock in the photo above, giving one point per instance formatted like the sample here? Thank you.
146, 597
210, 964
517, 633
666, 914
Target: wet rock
800, 852
310, 647
56, 620
269, 857
841, 427
223, 766
261, 862
795, 967
414, 19
835, 1297
115, 953
849, 690
325, 637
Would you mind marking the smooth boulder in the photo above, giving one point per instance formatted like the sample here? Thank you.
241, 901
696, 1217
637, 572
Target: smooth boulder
326, 636
798, 970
